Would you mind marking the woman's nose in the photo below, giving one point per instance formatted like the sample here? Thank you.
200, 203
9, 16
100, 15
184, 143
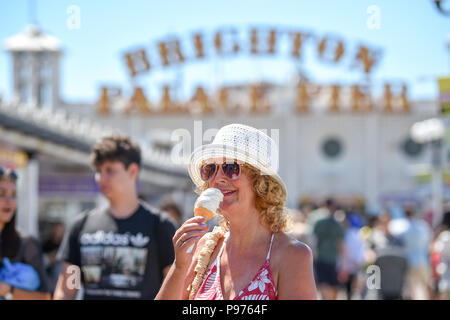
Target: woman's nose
218, 178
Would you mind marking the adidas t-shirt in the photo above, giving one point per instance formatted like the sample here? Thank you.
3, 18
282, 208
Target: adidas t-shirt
120, 258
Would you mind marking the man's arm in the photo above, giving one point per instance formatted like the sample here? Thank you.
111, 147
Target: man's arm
69, 281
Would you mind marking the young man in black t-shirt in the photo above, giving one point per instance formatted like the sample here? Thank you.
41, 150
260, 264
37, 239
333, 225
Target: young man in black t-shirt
122, 251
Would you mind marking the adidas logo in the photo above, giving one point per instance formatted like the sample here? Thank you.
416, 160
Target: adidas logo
139, 240
116, 239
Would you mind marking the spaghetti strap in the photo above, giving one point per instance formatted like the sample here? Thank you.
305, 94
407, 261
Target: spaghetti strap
270, 248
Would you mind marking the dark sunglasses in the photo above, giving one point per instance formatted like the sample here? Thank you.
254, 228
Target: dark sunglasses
11, 174
231, 170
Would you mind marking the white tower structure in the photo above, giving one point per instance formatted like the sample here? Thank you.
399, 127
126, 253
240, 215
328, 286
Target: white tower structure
35, 73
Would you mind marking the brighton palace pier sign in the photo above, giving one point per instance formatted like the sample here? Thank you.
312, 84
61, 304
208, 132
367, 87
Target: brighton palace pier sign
257, 41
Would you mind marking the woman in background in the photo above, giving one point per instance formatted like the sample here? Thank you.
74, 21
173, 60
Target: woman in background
18, 253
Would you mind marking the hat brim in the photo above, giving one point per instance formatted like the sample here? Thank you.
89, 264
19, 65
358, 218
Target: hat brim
214, 151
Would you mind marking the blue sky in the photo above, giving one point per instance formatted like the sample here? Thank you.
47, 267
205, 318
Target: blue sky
412, 35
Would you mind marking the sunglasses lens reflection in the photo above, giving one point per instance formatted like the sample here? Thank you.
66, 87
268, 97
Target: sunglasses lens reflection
231, 170
207, 171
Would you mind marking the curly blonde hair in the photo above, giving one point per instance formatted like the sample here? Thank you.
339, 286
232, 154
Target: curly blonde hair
270, 199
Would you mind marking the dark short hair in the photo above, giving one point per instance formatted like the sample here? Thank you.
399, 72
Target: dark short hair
410, 212
116, 148
329, 202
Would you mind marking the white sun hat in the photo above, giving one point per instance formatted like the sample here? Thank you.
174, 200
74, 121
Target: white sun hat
242, 143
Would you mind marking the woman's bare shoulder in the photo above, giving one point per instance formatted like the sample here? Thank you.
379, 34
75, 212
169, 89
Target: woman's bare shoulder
295, 279
292, 250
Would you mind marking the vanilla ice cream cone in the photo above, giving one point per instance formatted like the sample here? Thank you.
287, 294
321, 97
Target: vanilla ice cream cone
207, 203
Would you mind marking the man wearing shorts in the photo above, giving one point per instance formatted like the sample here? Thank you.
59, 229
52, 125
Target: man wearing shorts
329, 236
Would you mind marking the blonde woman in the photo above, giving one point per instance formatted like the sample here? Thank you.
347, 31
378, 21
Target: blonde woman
249, 256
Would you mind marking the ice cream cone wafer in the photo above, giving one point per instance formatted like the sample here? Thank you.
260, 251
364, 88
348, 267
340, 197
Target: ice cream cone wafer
200, 211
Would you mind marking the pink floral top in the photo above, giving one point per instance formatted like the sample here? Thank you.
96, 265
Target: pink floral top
262, 287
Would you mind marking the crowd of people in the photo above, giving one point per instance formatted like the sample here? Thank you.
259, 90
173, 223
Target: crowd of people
132, 250
411, 256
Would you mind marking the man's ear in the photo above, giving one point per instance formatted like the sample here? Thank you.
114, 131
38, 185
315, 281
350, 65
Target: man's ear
133, 169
